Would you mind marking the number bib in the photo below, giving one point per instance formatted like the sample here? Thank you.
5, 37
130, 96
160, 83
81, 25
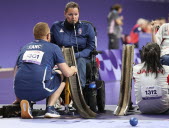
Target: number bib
151, 92
33, 57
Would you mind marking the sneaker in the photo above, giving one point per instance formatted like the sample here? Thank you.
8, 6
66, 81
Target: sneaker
26, 112
51, 112
70, 105
58, 104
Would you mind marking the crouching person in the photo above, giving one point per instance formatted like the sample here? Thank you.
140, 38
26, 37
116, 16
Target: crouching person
35, 79
151, 82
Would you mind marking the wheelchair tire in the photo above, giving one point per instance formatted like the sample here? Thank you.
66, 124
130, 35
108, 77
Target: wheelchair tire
100, 95
90, 98
88, 72
93, 99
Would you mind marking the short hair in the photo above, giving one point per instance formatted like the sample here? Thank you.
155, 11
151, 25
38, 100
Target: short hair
116, 7
40, 30
142, 21
161, 18
71, 5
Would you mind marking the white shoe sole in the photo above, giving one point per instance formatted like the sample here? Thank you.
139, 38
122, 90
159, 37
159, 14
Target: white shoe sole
49, 115
25, 112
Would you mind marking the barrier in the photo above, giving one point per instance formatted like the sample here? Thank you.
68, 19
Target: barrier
111, 62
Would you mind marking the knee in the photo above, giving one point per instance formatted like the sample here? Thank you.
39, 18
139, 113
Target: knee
164, 60
81, 60
62, 85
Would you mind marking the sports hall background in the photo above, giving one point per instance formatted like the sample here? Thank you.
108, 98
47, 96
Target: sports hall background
17, 18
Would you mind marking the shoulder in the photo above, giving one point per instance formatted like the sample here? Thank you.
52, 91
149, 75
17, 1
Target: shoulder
137, 68
86, 23
113, 12
166, 68
27, 45
88, 26
164, 26
53, 46
57, 23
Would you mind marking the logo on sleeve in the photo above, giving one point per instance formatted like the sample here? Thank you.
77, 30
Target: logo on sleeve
79, 31
61, 30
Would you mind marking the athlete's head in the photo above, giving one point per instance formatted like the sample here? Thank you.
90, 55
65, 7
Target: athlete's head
117, 7
151, 57
72, 12
41, 31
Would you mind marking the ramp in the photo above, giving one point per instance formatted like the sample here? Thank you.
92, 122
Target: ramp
126, 78
75, 87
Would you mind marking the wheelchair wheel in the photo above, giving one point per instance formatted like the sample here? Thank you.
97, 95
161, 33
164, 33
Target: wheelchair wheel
88, 72
93, 99
90, 98
100, 95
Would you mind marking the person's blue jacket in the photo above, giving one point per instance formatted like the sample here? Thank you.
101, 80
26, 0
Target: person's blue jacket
83, 42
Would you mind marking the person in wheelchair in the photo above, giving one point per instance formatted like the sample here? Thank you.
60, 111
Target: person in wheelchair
82, 36
151, 81
73, 32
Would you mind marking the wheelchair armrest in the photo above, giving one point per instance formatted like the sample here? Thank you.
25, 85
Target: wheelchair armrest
94, 52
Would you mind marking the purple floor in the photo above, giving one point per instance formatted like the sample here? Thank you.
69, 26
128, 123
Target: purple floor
105, 120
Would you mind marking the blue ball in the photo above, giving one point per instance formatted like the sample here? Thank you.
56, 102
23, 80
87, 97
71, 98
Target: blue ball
133, 121
92, 85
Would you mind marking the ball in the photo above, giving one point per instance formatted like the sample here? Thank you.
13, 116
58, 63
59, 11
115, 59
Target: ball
133, 121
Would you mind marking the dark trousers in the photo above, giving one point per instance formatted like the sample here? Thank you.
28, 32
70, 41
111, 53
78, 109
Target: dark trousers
165, 60
113, 41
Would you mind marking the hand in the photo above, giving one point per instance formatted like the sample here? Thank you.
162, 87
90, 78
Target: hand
55, 67
58, 71
155, 25
74, 69
121, 17
119, 20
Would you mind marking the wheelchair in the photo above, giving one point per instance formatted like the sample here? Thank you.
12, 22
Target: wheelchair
94, 91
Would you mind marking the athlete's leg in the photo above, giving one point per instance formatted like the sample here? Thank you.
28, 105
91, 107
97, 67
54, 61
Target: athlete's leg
165, 60
17, 101
54, 97
113, 41
50, 110
81, 64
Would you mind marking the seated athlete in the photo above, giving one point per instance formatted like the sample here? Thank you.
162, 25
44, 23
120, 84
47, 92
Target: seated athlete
73, 32
160, 35
151, 81
35, 80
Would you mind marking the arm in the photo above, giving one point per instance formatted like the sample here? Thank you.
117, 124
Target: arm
53, 31
15, 70
119, 20
153, 37
17, 63
90, 44
66, 70
158, 32
55, 37
154, 30
60, 61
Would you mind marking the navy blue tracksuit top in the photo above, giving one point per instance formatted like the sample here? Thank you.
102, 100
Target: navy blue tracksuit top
84, 40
